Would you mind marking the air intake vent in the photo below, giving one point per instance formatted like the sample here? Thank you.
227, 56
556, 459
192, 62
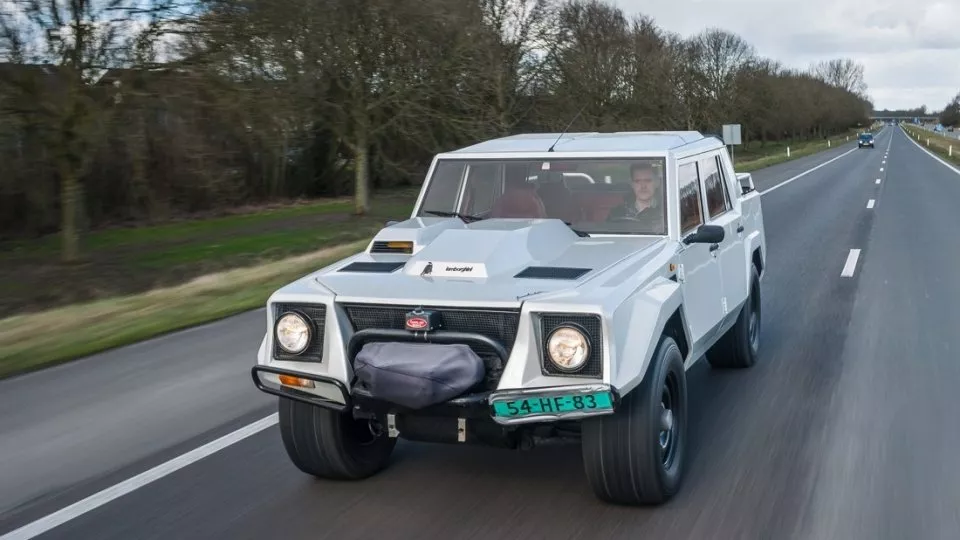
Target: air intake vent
372, 267
551, 272
393, 246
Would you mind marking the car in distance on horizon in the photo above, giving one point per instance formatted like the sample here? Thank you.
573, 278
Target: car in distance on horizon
546, 287
865, 139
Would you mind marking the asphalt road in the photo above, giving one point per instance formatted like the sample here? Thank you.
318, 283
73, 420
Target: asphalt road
846, 428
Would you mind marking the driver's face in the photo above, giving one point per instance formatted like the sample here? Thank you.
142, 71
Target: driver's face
644, 186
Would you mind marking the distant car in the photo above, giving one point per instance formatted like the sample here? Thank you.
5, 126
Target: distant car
865, 139
528, 299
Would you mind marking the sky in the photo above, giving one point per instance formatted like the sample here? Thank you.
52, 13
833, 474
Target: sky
910, 49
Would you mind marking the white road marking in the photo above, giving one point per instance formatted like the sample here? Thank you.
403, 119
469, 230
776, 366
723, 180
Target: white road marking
804, 173
931, 154
881, 169
851, 264
870, 203
101, 498
878, 180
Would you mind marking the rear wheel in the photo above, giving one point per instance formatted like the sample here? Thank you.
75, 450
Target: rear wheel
635, 456
332, 445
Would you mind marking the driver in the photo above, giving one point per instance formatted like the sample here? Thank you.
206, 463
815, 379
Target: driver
645, 205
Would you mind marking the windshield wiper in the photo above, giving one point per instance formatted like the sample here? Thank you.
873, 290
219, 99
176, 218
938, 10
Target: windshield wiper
579, 233
467, 218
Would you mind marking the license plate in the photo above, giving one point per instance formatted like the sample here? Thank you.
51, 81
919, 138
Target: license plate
597, 401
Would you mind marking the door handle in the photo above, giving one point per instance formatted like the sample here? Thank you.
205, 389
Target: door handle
714, 247
740, 229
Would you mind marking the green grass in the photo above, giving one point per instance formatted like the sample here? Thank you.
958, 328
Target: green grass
124, 236
30, 342
939, 144
126, 261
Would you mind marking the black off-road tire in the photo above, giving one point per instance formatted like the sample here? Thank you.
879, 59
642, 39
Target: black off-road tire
740, 346
623, 457
331, 445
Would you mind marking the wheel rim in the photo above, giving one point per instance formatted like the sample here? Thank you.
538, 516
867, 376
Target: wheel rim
668, 421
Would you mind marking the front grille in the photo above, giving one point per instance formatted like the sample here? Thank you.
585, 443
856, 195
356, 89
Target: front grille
499, 325
316, 314
593, 328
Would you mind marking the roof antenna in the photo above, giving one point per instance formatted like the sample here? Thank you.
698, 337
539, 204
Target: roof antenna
564, 132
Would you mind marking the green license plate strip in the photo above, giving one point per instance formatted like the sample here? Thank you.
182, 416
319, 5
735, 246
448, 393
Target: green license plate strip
594, 401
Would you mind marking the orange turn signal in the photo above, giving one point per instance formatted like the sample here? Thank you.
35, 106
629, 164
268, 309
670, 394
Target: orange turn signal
295, 381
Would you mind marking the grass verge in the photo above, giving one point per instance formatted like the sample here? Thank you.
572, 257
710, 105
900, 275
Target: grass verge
936, 143
775, 153
37, 340
125, 261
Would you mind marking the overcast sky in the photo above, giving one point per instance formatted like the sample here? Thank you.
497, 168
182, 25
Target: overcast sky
910, 49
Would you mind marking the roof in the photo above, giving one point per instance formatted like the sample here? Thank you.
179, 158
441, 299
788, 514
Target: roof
622, 141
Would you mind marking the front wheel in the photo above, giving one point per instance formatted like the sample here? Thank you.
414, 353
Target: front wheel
332, 445
635, 456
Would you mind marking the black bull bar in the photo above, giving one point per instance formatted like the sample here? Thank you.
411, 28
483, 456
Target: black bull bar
470, 405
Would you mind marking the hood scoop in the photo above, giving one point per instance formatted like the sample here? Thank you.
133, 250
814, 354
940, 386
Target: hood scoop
552, 272
368, 267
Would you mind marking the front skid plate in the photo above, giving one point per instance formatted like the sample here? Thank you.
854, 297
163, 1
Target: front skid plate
551, 404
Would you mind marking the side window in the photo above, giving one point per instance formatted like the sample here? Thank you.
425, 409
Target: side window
691, 212
444, 187
718, 200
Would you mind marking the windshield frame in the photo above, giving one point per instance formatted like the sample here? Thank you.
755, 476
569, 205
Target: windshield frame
666, 163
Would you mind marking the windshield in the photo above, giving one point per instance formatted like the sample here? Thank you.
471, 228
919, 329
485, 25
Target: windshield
866, 136
595, 196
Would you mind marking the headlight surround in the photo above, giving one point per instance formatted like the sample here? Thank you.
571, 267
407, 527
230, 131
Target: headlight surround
568, 347
293, 332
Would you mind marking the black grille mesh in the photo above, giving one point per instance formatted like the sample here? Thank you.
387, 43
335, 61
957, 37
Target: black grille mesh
316, 313
591, 324
499, 325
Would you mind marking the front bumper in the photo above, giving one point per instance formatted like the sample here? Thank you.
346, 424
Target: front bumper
505, 407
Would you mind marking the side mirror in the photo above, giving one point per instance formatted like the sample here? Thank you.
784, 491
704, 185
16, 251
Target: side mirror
706, 234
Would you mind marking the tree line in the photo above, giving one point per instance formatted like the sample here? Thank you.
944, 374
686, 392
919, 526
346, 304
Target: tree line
139, 110
950, 116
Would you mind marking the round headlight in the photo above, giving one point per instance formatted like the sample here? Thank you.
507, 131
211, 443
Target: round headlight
293, 333
568, 348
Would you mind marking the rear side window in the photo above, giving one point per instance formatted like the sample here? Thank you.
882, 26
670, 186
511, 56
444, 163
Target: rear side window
718, 201
691, 211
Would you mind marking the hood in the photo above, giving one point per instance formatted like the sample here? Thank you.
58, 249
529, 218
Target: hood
494, 262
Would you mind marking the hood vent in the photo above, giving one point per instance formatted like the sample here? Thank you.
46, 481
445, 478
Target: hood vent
392, 246
372, 267
551, 272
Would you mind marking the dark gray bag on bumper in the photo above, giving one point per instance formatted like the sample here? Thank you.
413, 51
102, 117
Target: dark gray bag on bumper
417, 375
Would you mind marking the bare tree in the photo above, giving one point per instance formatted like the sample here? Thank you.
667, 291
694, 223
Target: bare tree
720, 56
843, 73
80, 39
